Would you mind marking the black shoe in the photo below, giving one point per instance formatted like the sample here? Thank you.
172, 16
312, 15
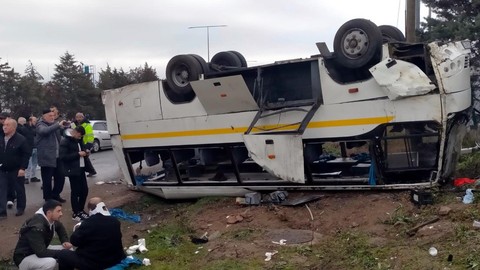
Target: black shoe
27, 181
82, 215
75, 217
19, 213
60, 199
91, 174
35, 179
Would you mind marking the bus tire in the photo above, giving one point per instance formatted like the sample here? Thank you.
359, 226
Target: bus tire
226, 59
202, 62
391, 33
181, 70
358, 44
243, 61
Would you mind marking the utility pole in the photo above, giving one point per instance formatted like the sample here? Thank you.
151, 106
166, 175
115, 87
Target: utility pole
208, 35
412, 19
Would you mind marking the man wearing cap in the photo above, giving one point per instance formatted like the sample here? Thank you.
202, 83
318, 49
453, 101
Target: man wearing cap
14, 154
98, 241
48, 147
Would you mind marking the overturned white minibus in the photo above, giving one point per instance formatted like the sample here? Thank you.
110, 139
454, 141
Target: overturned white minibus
376, 113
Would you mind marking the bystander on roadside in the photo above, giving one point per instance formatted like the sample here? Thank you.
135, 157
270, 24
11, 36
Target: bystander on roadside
87, 139
48, 146
14, 154
73, 155
30, 173
33, 250
98, 241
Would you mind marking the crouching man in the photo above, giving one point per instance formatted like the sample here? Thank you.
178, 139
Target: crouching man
33, 250
98, 241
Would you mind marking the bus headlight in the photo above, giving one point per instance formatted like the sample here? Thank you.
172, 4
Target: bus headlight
467, 44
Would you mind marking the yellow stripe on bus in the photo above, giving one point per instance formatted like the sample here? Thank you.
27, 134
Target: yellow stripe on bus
232, 130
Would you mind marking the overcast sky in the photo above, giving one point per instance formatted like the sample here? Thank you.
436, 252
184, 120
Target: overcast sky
126, 34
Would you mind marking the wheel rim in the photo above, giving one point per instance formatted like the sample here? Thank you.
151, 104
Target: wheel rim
180, 75
355, 44
96, 147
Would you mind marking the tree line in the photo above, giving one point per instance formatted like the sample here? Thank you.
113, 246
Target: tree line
457, 20
71, 89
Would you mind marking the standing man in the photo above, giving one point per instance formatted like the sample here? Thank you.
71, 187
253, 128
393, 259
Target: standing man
32, 163
25, 131
11, 186
98, 240
73, 155
48, 146
14, 155
88, 139
32, 251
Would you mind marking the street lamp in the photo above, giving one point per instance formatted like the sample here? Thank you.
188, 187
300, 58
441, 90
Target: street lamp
208, 35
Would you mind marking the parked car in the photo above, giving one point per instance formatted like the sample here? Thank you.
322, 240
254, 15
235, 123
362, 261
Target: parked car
101, 136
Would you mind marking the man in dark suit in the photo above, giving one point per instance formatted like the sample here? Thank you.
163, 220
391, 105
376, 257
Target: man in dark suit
98, 241
14, 155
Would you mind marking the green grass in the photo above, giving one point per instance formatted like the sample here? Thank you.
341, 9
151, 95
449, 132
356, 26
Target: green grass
399, 217
241, 234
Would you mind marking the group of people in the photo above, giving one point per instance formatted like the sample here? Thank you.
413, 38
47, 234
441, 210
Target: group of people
59, 147
96, 243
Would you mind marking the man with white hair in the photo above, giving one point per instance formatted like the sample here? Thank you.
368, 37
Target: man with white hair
14, 154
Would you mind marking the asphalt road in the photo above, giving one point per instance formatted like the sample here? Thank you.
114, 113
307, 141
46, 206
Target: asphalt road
107, 169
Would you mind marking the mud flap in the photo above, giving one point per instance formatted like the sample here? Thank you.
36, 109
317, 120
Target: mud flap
280, 155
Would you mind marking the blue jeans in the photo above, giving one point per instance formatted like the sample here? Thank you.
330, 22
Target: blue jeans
32, 165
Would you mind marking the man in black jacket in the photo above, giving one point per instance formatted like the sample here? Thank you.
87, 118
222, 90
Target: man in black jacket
32, 251
14, 155
98, 240
73, 156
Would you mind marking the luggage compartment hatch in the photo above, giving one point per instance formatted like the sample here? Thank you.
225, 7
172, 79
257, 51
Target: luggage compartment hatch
224, 95
280, 155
